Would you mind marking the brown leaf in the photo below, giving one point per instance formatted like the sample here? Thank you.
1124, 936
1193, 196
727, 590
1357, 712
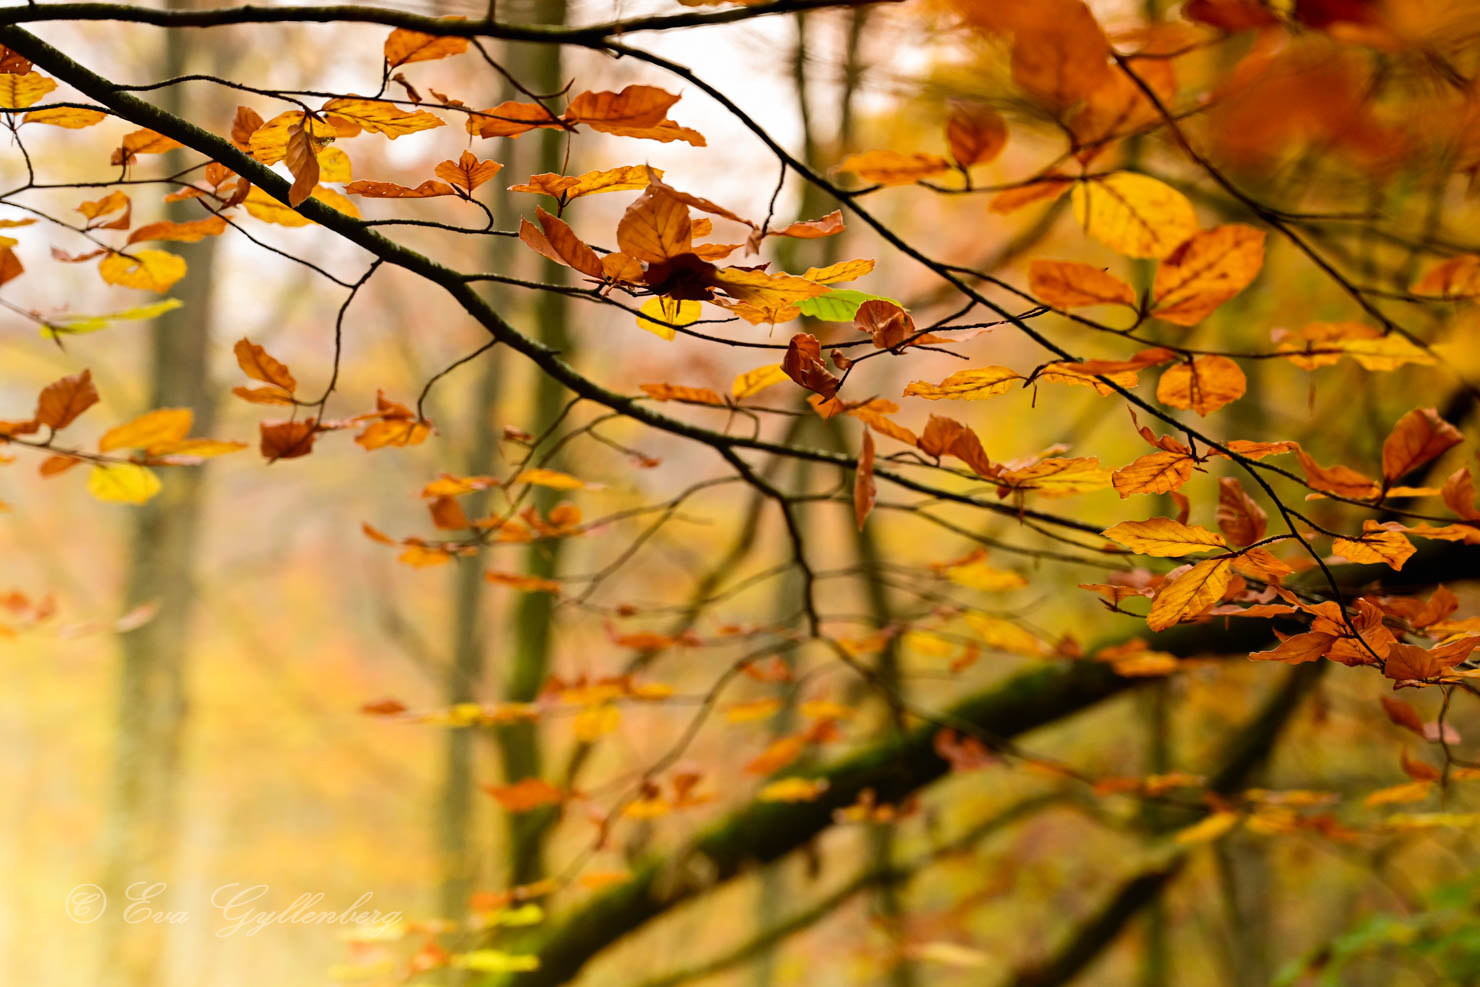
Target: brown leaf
865, 491
390, 190
948, 437
803, 364
976, 133
634, 107
1240, 518
287, 440
302, 158
404, 47
511, 119
246, 123
1298, 648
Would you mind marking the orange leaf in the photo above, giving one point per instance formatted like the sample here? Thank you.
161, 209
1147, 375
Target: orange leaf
467, 172
803, 364
655, 228
1194, 591
390, 190
1419, 436
512, 118
1066, 284
526, 794
1298, 648
894, 167
559, 243
404, 47
1156, 472
1204, 385
633, 107
258, 364
1205, 271
1241, 520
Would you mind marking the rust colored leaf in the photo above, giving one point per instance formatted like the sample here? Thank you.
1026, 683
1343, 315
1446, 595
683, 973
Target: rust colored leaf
287, 440
655, 228
61, 401
975, 133
865, 491
635, 107
1240, 518
1298, 648
404, 47
1419, 436
390, 190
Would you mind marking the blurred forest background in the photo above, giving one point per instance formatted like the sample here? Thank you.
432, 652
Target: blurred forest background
193, 712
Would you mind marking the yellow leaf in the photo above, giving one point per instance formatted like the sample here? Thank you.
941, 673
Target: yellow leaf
566, 187
1214, 826
379, 117
71, 117
793, 790
670, 310
19, 91
264, 207
1156, 472
150, 270
1205, 271
1134, 214
1003, 635
1164, 537
269, 142
848, 270
1194, 591
122, 483
1375, 545
150, 429
593, 722
980, 575
196, 448
550, 478
967, 385
1059, 477
754, 381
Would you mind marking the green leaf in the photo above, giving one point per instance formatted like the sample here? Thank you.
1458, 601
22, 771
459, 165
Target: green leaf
76, 325
838, 305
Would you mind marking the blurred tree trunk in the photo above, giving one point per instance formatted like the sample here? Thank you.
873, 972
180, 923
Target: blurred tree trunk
539, 68
143, 823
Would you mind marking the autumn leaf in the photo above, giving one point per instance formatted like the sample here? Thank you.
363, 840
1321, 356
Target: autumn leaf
1203, 385
886, 167
511, 119
467, 172
1240, 518
1134, 214
1157, 472
377, 117
968, 385
1164, 537
526, 794
865, 491
70, 117
148, 270
390, 190
566, 188
1298, 648
976, 133
122, 483
158, 427
1205, 271
803, 363
1419, 436
1067, 284
302, 157
60, 402
660, 316
404, 47
655, 228
793, 790
187, 232
18, 91
1192, 592
635, 107
1376, 544
948, 437
141, 142
557, 241
752, 382
258, 364
287, 440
